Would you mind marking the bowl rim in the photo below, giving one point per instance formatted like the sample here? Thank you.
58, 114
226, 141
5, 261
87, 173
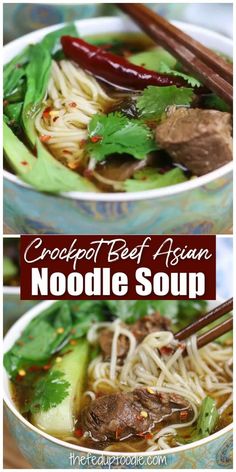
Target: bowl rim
9, 290
9, 339
129, 196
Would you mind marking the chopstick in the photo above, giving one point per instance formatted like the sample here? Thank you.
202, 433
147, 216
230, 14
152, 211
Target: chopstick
211, 69
205, 320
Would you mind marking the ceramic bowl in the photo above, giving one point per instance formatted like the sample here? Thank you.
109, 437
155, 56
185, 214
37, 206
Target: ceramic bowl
199, 206
46, 452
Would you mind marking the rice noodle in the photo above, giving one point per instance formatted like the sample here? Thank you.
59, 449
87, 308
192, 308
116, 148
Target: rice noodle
74, 97
194, 376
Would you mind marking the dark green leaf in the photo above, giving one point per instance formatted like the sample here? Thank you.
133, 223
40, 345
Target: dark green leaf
13, 111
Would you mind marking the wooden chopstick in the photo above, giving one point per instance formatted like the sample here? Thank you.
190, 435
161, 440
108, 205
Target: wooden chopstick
205, 320
211, 69
215, 332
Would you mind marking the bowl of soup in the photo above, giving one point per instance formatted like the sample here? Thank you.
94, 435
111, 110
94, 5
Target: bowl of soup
85, 383
109, 167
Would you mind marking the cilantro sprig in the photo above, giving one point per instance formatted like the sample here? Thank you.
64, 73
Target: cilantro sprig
49, 391
115, 133
155, 100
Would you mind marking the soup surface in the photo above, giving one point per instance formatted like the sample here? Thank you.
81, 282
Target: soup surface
110, 375
97, 112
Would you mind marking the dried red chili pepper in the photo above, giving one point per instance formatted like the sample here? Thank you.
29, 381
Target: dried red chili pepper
115, 69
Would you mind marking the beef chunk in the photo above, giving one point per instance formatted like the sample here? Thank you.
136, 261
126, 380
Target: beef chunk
198, 139
105, 342
149, 324
140, 329
121, 415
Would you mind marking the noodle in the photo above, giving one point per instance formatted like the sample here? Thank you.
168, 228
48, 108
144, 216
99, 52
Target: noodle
73, 97
193, 376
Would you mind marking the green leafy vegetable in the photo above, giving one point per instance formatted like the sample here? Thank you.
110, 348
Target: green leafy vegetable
190, 310
49, 391
49, 331
149, 178
206, 423
115, 133
130, 311
51, 39
207, 419
63, 408
49, 175
14, 71
37, 76
153, 59
165, 69
155, 100
44, 173
13, 111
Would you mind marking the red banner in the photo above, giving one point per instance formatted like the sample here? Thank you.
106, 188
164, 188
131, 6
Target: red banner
128, 267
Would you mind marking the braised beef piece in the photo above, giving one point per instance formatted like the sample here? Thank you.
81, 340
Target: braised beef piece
121, 415
140, 329
201, 140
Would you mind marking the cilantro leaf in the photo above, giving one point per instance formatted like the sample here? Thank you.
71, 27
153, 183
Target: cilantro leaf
115, 133
148, 179
165, 69
154, 100
49, 391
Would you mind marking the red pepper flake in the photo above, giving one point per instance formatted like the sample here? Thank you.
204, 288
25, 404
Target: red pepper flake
55, 118
72, 104
44, 138
118, 433
18, 66
19, 378
34, 368
24, 163
83, 142
166, 351
5, 103
47, 367
20, 343
46, 112
145, 435
78, 433
88, 173
183, 415
96, 139
73, 342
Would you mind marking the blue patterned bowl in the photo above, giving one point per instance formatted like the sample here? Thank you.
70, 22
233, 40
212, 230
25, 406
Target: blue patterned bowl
46, 452
199, 206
